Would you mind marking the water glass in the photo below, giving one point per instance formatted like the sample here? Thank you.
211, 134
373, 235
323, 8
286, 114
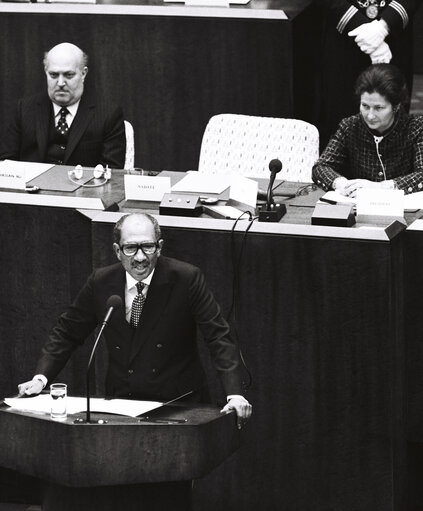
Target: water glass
58, 393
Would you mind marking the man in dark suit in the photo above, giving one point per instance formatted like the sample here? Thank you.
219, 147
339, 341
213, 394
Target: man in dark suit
152, 341
66, 126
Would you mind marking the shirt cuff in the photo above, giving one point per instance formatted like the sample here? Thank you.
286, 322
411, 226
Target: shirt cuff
237, 396
42, 378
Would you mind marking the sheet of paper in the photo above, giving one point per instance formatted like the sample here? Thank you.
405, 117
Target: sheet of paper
196, 182
338, 198
228, 212
41, 404
413, 201
244, 191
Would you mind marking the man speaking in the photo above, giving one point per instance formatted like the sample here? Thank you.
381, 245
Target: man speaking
66, 126
151, 341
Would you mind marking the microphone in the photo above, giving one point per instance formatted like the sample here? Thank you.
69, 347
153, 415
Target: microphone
275, 166
272, 212
113, 303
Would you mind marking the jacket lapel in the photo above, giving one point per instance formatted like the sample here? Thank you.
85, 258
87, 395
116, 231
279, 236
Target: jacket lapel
116, 286
157, 298
43, 117
82, 119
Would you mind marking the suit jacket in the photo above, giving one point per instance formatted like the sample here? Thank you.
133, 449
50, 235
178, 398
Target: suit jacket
97, 134
159, 360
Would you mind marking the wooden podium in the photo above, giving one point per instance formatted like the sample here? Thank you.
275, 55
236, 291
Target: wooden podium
125, 463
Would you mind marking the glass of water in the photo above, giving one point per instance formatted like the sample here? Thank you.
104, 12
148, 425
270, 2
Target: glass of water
58, 393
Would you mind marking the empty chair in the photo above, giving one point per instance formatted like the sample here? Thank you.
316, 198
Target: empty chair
245, 144
130, 149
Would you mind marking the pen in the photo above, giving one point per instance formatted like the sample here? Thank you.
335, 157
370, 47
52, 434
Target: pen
329, 201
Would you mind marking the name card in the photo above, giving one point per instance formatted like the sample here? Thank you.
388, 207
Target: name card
12, 178
379, 202
146, 188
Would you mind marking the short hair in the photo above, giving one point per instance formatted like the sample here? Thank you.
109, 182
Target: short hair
385, 79
118, 226
84, 56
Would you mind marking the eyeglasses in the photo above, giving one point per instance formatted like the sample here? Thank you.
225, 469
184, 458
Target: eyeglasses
148, 248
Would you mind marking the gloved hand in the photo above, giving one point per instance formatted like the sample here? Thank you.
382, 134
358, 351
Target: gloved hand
370, 36
382, 54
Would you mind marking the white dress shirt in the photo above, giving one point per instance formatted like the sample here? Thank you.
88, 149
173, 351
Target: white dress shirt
70, 116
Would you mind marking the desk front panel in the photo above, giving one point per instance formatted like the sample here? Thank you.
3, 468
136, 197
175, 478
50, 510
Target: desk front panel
320, 326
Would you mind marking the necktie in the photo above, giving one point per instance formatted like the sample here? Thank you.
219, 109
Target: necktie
137, 305
62, 126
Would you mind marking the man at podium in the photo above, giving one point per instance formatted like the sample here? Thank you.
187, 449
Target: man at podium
66, 126
151, 339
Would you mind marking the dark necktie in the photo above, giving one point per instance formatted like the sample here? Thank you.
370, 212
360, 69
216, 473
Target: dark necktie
137, 305
62, 126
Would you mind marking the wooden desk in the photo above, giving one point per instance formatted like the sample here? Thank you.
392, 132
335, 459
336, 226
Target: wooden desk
170, 67
319, 317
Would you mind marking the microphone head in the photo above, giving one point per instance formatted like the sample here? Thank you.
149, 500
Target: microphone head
114, 301
275, 166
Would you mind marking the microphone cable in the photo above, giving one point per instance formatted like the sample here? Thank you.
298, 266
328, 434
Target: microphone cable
236, 264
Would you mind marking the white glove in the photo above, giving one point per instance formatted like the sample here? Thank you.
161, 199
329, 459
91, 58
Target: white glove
381, 55
369, 36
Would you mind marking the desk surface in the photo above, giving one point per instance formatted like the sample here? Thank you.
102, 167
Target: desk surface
256, 9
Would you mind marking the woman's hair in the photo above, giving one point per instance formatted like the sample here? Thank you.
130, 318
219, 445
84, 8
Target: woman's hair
385, 79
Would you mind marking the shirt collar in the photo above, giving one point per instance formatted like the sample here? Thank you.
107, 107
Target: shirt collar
72, 109
131, 282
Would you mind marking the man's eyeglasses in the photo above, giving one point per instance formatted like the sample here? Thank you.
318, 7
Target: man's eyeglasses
148, 248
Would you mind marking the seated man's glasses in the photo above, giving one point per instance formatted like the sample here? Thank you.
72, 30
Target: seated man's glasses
130, 249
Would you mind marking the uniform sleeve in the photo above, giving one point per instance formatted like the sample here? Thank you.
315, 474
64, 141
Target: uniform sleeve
345, 17
333, 161
398, 13
70, 331
215, 330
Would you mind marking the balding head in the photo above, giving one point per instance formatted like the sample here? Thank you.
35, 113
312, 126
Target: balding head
66, 67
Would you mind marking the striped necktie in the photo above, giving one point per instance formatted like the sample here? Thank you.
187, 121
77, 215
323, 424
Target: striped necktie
137, 305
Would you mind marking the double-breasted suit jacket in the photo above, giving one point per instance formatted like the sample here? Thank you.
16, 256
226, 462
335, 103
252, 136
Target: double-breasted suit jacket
97, 134
159, 359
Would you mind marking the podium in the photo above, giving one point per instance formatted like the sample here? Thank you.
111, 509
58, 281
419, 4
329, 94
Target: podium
126, 463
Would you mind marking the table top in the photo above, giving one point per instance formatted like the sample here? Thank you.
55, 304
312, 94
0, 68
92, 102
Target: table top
255, 9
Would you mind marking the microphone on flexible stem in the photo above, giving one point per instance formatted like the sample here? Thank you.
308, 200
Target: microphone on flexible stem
272, 212
114, 302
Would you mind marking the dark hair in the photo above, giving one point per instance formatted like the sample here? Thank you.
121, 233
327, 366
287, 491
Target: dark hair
118, 226
385, 79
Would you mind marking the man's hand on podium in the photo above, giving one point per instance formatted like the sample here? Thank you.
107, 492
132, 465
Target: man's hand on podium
31, 387
242, 408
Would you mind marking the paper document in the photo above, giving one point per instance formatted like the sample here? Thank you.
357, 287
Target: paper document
337, 198
202, 183
42, 404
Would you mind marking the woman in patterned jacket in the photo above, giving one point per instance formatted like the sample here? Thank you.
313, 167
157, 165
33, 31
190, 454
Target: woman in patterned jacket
381, 146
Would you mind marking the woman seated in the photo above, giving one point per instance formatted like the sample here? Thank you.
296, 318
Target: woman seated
382, 146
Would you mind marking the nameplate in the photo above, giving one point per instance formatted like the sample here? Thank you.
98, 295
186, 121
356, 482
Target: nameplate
15, 174
379, 202
146, 188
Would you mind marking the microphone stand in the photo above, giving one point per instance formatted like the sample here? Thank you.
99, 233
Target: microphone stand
103, 325
271, 212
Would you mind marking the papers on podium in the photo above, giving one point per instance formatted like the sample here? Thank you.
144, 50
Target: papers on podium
42, 404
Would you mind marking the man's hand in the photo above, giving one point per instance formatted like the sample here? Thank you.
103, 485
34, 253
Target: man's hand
370, 36
30, 388
242, 408
382, 54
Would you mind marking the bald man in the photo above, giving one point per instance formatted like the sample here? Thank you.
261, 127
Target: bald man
65, 126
